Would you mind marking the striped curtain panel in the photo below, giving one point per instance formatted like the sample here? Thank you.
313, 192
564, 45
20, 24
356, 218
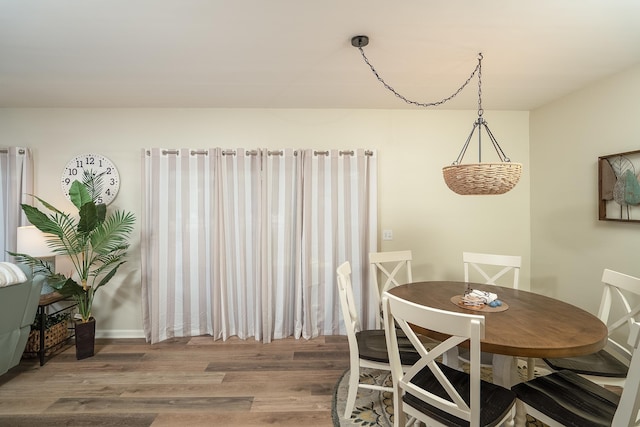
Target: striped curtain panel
339, 210
16, 187
246, 242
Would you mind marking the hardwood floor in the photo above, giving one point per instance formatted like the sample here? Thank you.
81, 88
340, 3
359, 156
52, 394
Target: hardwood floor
183, 382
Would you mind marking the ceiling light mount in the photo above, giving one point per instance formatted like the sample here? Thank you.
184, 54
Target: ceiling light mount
359, 41
466, 179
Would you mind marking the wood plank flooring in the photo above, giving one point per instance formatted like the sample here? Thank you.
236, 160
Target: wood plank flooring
182, 382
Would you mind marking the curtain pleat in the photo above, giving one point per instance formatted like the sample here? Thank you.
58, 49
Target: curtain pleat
280, 244
16, 187
246, 242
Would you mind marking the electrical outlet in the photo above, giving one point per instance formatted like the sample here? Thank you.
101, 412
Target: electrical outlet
387, 234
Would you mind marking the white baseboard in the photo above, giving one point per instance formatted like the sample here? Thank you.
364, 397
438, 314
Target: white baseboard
120, 333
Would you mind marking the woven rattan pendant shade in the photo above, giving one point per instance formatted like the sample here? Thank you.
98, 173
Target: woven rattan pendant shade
482, 178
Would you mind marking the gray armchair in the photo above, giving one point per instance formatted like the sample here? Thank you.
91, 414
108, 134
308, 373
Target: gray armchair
18, 306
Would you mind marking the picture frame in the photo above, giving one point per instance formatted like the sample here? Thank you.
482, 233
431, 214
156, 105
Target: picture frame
619, 187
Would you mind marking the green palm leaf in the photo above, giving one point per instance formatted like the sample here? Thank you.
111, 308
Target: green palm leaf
95, 242
112, 233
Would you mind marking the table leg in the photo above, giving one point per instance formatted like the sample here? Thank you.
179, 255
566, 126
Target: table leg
505, 373
450, 358
505, 370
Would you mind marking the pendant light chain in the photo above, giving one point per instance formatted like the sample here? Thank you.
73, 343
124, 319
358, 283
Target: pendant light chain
408, 101
482, 122
479, 124
479, 68
471, 178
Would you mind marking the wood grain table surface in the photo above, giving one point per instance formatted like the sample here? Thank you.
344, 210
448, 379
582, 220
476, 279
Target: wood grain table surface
534, 325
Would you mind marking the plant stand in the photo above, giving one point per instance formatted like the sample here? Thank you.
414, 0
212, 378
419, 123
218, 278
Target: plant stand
43, 348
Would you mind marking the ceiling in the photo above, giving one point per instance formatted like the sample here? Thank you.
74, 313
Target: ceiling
298, 54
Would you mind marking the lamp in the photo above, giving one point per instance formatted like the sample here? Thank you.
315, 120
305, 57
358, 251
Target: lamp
472, 178
33, 242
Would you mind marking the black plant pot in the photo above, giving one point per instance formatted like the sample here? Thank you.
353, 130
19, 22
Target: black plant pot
85, 338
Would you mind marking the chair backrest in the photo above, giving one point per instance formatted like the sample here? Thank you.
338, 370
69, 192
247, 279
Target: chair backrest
489, 267
461, 327
616, 311
627, 412
348, 303
389, 266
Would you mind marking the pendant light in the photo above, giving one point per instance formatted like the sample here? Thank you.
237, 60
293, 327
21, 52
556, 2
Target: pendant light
471, 178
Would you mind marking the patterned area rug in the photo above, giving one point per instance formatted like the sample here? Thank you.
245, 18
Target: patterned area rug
375, 408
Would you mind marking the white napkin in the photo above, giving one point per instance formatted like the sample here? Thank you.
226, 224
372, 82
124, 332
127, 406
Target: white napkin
11, 274
477, 297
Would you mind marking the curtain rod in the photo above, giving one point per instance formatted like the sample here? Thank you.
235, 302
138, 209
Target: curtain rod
256, 152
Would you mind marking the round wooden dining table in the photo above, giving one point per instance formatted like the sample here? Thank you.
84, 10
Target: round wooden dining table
532, 325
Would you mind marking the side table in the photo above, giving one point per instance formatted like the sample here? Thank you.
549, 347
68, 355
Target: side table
43, 311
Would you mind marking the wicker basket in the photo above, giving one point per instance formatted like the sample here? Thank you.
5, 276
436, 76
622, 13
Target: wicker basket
482, 178
54, 338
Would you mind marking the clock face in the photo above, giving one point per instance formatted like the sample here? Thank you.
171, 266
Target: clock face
97, 164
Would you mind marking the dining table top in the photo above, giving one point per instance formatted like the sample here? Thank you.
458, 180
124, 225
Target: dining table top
532, 325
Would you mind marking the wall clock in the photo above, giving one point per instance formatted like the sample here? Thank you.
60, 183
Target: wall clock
96, 164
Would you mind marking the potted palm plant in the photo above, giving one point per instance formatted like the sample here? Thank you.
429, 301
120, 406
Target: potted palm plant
94, 241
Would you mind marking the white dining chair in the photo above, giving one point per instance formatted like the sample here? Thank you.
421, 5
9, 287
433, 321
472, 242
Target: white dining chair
393, 268
367, 348
492, 269
430, 391
564, 398
609, 366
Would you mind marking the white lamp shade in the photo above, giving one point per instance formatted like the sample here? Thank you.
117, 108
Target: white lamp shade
65, 266
33, 242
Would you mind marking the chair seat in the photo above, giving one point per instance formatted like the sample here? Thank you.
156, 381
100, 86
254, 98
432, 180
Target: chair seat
372, 345
569, 399
601, 364
495, 401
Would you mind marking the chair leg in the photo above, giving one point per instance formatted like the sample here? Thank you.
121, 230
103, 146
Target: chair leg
399, 417
354, 380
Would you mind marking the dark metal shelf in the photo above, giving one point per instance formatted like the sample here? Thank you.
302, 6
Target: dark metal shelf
43, 311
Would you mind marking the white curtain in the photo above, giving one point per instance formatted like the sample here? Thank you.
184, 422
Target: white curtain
246, 242
16, 187
339, 207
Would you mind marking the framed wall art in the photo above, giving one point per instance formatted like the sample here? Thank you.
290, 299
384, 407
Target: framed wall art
619, 187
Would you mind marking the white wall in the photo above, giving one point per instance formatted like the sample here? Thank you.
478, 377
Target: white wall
413, 146
570, 246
